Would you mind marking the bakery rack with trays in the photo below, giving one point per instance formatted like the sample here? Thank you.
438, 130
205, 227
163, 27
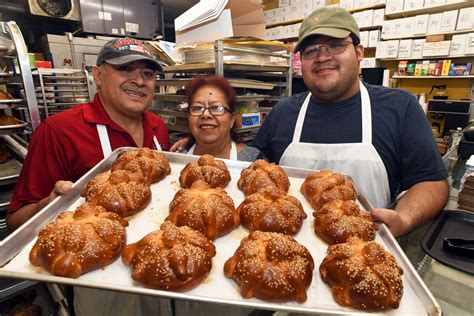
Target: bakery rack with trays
417, 299
260, 71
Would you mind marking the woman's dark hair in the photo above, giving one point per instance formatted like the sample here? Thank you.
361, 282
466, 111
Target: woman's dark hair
220, 83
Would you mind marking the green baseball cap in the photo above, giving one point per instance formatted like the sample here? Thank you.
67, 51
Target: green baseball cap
332, 22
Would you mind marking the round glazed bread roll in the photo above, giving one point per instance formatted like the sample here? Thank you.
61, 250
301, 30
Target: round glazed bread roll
172, 258
324, 186
152, 164
208, 210
272, 212
263, 176
212, 171
121, 192
339, 220
271, 267
78, 242
362, 275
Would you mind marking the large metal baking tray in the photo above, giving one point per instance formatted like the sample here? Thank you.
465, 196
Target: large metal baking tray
450, 224
14, 128
14, 262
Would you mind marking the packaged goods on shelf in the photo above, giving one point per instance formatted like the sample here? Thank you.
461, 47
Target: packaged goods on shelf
458, 44
460, 69
421, 24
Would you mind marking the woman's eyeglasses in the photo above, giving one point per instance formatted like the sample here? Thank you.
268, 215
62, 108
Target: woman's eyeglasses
215, 110
333, 47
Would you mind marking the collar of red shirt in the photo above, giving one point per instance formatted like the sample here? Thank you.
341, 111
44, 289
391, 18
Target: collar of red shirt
94, 113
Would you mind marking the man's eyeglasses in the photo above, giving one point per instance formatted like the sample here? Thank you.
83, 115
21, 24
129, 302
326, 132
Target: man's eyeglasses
333, 47
215, 110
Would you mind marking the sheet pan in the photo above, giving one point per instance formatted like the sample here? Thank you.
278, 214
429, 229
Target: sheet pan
14, 262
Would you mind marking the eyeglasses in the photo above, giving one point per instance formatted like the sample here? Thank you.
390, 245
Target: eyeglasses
333, 47
215, 110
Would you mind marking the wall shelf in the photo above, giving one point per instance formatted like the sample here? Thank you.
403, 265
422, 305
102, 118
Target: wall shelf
433, 77
432, 9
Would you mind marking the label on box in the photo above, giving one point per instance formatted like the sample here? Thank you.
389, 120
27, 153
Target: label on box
250, 119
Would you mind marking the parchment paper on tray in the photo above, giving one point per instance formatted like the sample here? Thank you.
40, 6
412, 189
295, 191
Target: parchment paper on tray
216, 288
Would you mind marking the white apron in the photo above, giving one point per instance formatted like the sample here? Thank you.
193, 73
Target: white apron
95, 302
105, 142
233, 151
358, 160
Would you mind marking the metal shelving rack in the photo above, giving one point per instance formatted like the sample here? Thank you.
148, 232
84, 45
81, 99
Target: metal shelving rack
278, 79
61, 89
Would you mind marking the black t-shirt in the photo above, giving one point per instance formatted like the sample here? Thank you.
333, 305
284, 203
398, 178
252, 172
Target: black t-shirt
400, 132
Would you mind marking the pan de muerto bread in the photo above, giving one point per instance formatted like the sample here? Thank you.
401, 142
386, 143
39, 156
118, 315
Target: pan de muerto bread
272, 212
271, 267
81, 241
152, 164
263, 176
338, 220
172, 259
121, 192
208, 210
324, 186
213, 171
362, 275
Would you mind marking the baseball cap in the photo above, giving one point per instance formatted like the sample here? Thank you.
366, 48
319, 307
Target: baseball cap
122, 51
332, 22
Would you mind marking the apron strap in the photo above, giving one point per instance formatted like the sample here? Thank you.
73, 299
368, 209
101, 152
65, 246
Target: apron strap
366, 115
157, 144
233, 151
300, 120
104, 139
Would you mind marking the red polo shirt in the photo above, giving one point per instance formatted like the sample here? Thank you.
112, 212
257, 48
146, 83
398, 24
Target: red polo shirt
67, 145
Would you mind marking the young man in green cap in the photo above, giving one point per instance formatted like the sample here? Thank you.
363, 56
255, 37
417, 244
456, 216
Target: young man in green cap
377, 135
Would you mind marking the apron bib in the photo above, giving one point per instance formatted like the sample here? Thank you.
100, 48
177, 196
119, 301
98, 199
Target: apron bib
358, 160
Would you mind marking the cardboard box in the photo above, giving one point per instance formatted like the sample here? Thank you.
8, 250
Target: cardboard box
320, 3
391, 49
364, 38
421, 24
469, 48
413, 4
283, 3
374, 37
379, 17
441, 48
465, 19
449, 20
243, 120
405, 48
368, 63
417, 48
458, 44
393, 6
346, 4
434, 24
408, 27
380, 51
238, 18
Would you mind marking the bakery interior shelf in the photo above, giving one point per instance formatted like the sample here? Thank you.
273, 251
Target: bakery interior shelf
433, 77
424, 35
235, 83
427, 58
228, 66
183, 98
451, 5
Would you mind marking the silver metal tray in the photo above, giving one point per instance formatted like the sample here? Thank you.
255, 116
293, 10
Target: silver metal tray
9, 101
11, 129
218, 289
